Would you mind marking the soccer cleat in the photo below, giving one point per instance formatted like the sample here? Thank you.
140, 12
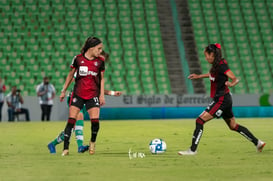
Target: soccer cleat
51, 148
92, 148
65, 153
260, 146
188, 152
83, 148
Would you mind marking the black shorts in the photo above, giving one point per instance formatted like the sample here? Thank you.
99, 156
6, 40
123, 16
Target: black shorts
89, 103
221, 107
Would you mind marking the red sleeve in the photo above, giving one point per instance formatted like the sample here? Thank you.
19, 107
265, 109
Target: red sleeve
224, 67
226, 71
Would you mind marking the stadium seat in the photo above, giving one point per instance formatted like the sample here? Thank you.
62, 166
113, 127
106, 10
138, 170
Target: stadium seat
47, 34
245, 35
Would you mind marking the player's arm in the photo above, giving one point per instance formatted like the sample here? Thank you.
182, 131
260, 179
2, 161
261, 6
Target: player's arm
68, 81
233, 78
196, 76
102, 99
112, 93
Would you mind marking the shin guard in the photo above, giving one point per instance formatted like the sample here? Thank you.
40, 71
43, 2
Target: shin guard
246, 133
79, 132
67, 132
197, 134
95, 126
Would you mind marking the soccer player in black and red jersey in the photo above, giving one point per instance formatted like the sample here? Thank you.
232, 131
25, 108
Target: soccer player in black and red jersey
88, 89
83, 115
221, 105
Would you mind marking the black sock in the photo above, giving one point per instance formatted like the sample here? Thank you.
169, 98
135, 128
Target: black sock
95, 126
246, 133
67, 132
197, 134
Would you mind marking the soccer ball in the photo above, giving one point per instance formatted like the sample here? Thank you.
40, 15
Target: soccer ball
157, 145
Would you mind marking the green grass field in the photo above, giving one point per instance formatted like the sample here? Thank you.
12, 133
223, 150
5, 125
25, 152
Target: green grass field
222, 154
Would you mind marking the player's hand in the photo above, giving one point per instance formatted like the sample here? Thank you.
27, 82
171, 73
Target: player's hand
227, 83
102, 100
193, 76
231, 84
62, 96
117, 93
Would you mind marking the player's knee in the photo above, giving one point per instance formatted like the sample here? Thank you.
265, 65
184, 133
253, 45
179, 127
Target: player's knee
233, 127
200, 121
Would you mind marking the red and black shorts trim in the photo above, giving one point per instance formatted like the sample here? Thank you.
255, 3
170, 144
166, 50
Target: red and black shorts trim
221, 107
89, 103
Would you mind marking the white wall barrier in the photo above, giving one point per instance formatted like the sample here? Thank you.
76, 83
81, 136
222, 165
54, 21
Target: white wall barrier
192, 102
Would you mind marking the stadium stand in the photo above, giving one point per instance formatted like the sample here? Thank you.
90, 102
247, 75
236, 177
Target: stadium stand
245, 32
41, 37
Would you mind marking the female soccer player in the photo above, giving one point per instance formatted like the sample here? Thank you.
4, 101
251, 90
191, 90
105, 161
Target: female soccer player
221, 105
83, 115
88, 89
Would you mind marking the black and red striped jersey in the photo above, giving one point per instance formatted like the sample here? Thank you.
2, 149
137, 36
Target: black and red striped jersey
218, 79
88, 76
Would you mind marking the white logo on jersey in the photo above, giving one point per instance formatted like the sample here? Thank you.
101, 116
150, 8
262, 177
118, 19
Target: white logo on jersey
74, 99
219, 113
82, 61
92, 73
96, 64
83, 71
210, 104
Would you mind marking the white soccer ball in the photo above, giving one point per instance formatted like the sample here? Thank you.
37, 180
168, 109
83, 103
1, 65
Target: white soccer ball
157, 145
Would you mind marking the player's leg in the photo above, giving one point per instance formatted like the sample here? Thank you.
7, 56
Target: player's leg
244, 132
229, 118
213, 110
73, 112
79, 133
197, 134
59, 139
95, 126
199, 128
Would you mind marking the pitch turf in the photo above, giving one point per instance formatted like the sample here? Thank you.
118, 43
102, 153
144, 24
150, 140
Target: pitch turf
222, 154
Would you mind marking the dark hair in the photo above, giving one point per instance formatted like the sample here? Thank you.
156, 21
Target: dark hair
90, 42
216, 50
105, 55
